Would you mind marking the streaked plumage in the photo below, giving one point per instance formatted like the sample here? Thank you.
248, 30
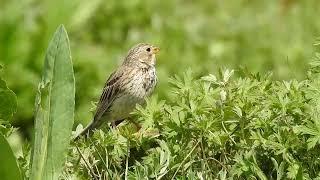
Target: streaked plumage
129, 85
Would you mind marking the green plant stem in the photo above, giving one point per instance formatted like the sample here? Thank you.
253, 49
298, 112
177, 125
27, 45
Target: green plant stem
127, 160
194, 147
85, 161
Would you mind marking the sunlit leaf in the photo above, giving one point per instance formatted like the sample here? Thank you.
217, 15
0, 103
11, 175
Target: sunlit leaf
8, 168
54, 110
8, 102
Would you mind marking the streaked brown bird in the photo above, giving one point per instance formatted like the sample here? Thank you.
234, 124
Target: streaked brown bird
129, 85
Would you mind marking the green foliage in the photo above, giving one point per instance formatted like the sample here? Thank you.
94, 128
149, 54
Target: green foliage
8, 168
205, 35
8, 106
8, 103
211, 126
54, 110
214, 127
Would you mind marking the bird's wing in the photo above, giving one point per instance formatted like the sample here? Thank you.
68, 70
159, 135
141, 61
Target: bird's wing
110, 91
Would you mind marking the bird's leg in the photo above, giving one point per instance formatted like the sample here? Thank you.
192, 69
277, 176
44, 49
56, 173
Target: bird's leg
114, 124
137, 125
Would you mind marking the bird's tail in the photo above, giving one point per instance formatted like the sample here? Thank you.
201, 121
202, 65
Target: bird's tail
88, 131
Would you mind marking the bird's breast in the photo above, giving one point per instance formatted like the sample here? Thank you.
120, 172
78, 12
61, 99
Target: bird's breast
137, 89
143, 83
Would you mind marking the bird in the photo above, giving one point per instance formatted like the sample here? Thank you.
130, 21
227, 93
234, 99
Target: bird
129, 85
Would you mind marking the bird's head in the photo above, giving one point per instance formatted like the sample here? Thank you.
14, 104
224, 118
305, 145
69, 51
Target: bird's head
142, 54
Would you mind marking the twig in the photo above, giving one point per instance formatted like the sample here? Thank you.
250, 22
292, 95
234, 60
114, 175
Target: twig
211, 158
87, 164
203, 155
184, 160
97, 150
229, 135
127, 160
95, 165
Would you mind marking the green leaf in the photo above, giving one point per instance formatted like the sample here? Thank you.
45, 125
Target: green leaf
280, 170
227, 74
293, 171
54, 110
210, 78
8, 167
8, 102
312, 128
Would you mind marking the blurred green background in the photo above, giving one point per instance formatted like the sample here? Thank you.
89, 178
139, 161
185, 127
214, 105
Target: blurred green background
270, 35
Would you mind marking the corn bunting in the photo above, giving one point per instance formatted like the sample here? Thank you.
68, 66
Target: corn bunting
134, 80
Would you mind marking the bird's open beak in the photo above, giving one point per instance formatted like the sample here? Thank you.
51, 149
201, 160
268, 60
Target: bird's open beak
155, 50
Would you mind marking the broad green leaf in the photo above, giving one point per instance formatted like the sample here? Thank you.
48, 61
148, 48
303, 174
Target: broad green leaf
8, 167
54, 110
8, 102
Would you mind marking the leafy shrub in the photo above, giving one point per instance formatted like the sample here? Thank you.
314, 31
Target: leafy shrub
213, 127
261, 35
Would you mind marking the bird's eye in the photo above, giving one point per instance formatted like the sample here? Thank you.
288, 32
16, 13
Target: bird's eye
148, 49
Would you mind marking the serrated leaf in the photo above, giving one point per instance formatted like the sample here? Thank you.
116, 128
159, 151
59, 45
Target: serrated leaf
238, 111
293, 170
210, 78
280, 170
227, 74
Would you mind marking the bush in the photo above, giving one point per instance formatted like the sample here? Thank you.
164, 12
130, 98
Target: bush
205, 35
216, 126
213, 127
